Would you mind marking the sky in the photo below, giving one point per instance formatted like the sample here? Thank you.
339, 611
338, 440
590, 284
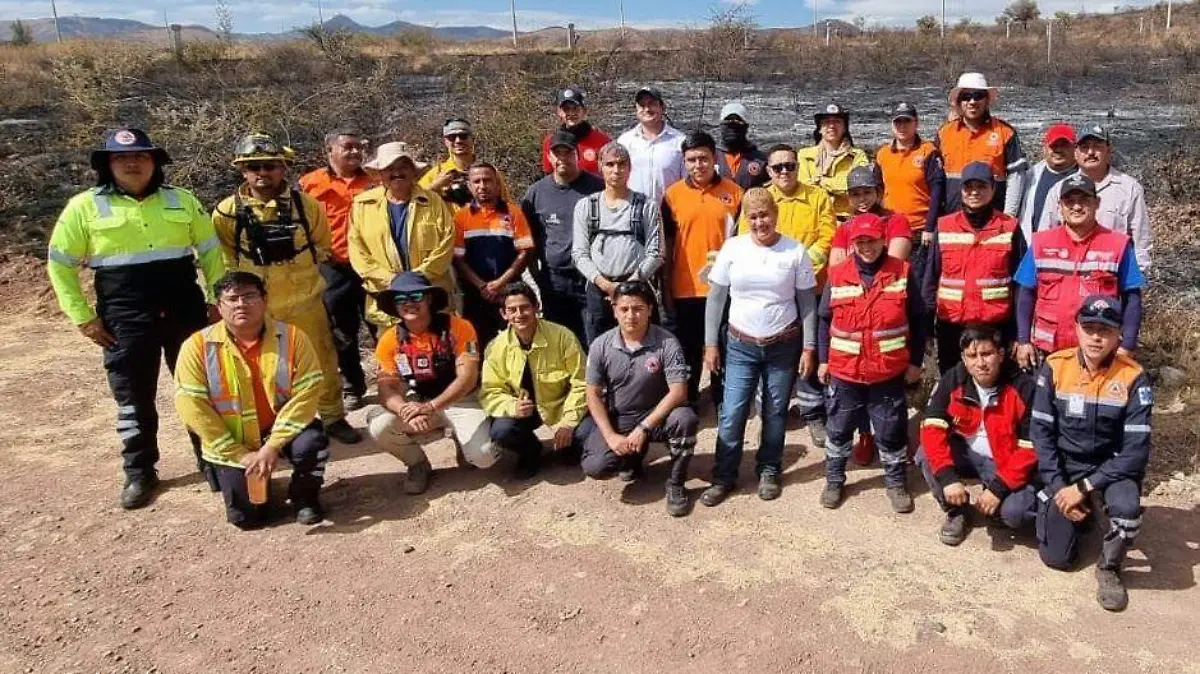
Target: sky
253, 16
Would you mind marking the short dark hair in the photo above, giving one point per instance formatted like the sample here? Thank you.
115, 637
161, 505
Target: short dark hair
781, 147
636, 288
483, 165
697, 138
332, 136
238, 279
981, 332
519, 288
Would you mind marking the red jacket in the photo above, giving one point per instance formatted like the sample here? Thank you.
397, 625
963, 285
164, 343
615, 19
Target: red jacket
589, 151
1067, 272
954, 414
869, 332
976, 266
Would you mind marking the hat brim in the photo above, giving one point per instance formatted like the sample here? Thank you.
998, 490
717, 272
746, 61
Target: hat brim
647, 92
904, 115
993, 94
1093, 135
386, 300
161, 158
237, 163
1078, 190
1097, 320
374, 165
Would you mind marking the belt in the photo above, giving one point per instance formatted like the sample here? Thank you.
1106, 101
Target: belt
782, 336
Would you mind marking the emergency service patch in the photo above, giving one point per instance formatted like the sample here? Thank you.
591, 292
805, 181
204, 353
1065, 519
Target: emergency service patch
754, 168
653, 365
1145, 396
124, 137
589, 154
1117, 389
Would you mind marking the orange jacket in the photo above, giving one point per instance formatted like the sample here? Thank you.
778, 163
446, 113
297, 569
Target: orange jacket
336, 195
698, 220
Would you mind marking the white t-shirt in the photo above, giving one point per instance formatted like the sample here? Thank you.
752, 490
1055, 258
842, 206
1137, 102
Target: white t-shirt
762, 283
979, 443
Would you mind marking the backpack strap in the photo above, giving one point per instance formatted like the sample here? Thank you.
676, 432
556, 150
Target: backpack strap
303, 218
637, 225
593, 220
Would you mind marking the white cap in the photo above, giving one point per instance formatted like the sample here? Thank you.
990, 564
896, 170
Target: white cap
390, 153
735, 108
972, 81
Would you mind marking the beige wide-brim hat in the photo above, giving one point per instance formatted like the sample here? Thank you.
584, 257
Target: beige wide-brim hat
972, 81
390, 153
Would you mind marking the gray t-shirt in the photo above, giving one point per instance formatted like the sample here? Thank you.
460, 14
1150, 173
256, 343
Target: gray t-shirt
617, 255
635, 380
549, 208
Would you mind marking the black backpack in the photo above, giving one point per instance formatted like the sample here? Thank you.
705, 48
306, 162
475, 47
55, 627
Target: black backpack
637, 225
270, 242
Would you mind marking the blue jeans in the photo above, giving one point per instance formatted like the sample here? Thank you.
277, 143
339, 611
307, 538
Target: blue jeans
749, 368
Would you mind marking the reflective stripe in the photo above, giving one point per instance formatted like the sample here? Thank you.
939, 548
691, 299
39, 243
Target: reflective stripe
1137, 428
476, 233
1046, 335
950, 294
172, 253
103, 205
991, 282
893, 344
890, 332
124, 424
1042, 416
842, 292
1097, 266
1049, 263
845, 335
171, 197
1025, 444
955, 238
207, 245
126, 409
938, 423
995, 293
63, 258
845, 345
897, 286
128, 433
1005, 238
1107, 402
218, 392
953, 282
283, 369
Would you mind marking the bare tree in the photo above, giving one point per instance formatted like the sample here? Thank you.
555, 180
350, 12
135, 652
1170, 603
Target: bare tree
224, 22
1022, 12
21, 34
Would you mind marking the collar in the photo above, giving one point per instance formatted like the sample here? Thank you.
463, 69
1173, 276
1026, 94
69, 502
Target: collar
916, 144
1104, 367
539, 338
221, 334
716, 181
649, 341
501, 206
801, 193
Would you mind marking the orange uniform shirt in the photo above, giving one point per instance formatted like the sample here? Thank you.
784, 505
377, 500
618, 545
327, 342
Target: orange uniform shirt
906, 188
335, 194
703, 218
262, 403
488, 237
462, 334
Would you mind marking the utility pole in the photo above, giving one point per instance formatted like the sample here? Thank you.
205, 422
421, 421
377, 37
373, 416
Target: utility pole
1007, 29
1050, 41
513, 4
622, 19
943, 19
1169, 3
57, 30
320, 15
814, 2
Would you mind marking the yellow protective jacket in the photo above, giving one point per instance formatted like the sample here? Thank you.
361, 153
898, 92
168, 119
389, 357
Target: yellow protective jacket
806, 215
557, 364
833, 179
215, 397
373, 252
447, 164
106, 229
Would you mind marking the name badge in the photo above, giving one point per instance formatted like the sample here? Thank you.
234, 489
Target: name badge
1075, 405
402, 365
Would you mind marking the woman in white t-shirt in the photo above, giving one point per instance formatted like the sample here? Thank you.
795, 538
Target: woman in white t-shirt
767, 282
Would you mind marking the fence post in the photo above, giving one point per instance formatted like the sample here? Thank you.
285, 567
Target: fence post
177, 40
571, 36
1050, 41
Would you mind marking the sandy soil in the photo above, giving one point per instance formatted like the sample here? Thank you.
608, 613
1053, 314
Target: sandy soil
482, 574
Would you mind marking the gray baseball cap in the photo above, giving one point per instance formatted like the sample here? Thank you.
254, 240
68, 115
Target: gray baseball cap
861, 176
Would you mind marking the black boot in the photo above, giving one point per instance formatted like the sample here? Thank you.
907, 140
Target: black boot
138, 491
1110, 591
677, 499
304, 492
895, 477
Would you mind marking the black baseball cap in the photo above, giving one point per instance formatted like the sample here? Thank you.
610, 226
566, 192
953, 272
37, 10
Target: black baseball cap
978, 170
563, 138
904, 110
1102, 310
1078, 183
648, 91
570, 95
1095, 131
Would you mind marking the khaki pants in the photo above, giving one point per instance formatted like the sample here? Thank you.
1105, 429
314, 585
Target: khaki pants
468, 424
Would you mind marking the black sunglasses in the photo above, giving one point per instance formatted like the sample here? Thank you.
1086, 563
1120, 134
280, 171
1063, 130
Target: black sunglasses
789, 166
411, 296
457, 136
977, 95
257, 166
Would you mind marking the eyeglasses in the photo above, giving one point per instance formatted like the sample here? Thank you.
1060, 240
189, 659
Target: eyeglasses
258, 167
788, 166
977, 95
253, 297
409, 297
454, 137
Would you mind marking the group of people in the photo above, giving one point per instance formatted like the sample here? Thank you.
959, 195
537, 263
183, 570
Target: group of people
804, 278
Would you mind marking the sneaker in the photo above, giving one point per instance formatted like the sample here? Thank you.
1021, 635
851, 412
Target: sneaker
343, 432
831, 496
817, 432
900, 499
864, 449
1110, 591
715, 494
137, 492
352, 401
309, 515
768, 486
954, 529
416, 481
677, 500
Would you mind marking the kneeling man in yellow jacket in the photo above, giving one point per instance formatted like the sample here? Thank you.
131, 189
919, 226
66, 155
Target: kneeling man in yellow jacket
249, 387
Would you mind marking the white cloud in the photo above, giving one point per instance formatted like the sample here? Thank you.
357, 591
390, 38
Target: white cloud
890, 12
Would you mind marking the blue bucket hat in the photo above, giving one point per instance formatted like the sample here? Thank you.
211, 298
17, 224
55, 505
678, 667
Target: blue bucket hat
410, 282
127, 140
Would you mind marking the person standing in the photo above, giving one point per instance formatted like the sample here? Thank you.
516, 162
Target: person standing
974, 134
828, 162
1092, 412
142, 237
618, 237
399, 226
738, 158
549, 208
573, 117
281, 235
698, 215
1122, 199
655, 160
974, 255
870, 342
448, 179
766, 282
913, 179
492, 245
1058, 162
335, 186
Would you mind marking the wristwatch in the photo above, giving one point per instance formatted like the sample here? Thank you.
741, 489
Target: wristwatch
644, 426
1084, 486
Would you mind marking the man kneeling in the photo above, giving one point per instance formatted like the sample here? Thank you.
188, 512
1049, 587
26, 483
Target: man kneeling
637, 393
532, 374
249, 388
428, 371
977, 426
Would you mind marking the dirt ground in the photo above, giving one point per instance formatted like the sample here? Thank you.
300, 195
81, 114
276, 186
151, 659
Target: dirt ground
561, 574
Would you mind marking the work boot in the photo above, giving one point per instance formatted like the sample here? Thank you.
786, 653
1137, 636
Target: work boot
416, 480
352, 401
768, 486
1110, 591
954, 529
817, 433
343, 432
864, 449
715, 494
900, 499
309, 515
677, 498
632, 468
137, 491
831, 496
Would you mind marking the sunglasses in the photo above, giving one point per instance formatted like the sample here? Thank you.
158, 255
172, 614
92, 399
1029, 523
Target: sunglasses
789, 166
453, 137
413, 296
257, 167
978, 95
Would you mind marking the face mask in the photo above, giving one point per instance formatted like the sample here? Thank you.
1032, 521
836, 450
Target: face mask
733, 136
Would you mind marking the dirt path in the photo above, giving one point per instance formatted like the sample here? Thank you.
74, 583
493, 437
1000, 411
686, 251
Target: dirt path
560, 575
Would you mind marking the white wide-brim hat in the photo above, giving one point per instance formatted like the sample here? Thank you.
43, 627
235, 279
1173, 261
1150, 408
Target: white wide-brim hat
389, 153
972, 81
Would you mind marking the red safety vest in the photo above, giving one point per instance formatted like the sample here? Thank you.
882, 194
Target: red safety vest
1067, 272
868, 336
975, 286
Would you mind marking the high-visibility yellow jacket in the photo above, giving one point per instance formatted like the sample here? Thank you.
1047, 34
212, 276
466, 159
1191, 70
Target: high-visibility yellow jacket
557, 364
215, 397
293, 286
108, 230
805, 215
833, 178
448, 164
429, 228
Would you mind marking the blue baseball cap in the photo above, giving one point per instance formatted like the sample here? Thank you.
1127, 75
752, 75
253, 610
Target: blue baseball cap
977, 171
127, 140
1102, 310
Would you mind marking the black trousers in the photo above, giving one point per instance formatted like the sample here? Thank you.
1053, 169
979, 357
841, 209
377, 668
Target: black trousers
307, 452
483, 315
685, 320
144, 339
849, 406
563, 298
519, 437
345, 302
